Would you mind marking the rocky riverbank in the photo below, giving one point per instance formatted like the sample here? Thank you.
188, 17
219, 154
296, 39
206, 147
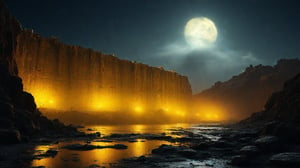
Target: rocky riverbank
266, 139
234, 147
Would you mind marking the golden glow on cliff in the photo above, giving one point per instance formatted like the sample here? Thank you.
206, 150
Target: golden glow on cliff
209, 111
105, 102
102, 102
138, 109
44, 98
180, 113
72, 78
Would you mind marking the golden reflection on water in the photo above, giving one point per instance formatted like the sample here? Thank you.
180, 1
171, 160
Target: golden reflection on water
138, 128
74, 159
69, 158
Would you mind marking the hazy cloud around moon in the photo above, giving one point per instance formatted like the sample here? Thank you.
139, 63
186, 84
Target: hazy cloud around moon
205, 66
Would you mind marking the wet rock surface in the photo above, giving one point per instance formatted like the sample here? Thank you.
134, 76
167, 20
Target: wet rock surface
235, 147
286, 159
85, 147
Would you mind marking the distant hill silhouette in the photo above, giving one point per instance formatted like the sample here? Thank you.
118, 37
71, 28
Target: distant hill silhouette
248, 92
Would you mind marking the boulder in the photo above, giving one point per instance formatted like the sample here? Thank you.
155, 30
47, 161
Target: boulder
268, 143
286, 159
165, 150
119, 146
174, 150
249, 150
86, 147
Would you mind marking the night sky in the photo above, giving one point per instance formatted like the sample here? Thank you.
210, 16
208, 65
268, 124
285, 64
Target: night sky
151, 31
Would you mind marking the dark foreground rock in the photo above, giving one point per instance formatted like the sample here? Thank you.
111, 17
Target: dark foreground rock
174, 150
9, 136
85, 147
286, 159
20, 120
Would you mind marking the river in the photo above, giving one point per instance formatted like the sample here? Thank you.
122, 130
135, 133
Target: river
107, 157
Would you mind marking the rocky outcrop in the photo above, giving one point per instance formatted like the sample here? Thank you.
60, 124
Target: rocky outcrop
19, 118
281, 116
282, 106
9, 29
249, 91
69, 78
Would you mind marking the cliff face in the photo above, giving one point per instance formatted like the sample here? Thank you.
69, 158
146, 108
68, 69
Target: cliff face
248, 92
65, 77
9, 29
283, 106
281, 116
19, 118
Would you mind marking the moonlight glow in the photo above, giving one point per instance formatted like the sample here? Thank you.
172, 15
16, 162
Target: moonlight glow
200, 32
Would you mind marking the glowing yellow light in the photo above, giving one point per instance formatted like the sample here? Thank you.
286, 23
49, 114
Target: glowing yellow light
43, 98
103, 102
210, 112
138, 128
180, 113
138, 109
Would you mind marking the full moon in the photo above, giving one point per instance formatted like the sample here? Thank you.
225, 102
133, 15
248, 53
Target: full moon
200, 32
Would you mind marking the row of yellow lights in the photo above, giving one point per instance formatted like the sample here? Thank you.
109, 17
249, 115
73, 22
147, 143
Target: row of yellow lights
207, 111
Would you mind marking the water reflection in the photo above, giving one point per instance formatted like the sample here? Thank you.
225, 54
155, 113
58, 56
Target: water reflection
69, 158
142, 129
103, 157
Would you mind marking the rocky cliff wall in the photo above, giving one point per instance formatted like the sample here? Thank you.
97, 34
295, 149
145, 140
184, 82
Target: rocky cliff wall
9, 29
19, 118
68, 77
248, 92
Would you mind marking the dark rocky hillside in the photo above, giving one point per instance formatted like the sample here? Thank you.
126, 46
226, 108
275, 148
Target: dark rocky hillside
281, 116
19, 117
249, 91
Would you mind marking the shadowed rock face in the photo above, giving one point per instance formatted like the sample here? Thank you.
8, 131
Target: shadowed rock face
282, 106
9, 29
281, 116
19, 117
68, 78
249, 91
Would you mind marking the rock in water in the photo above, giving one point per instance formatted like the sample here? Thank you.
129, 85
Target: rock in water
165, 150
268, 143
286, 159
249, 150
